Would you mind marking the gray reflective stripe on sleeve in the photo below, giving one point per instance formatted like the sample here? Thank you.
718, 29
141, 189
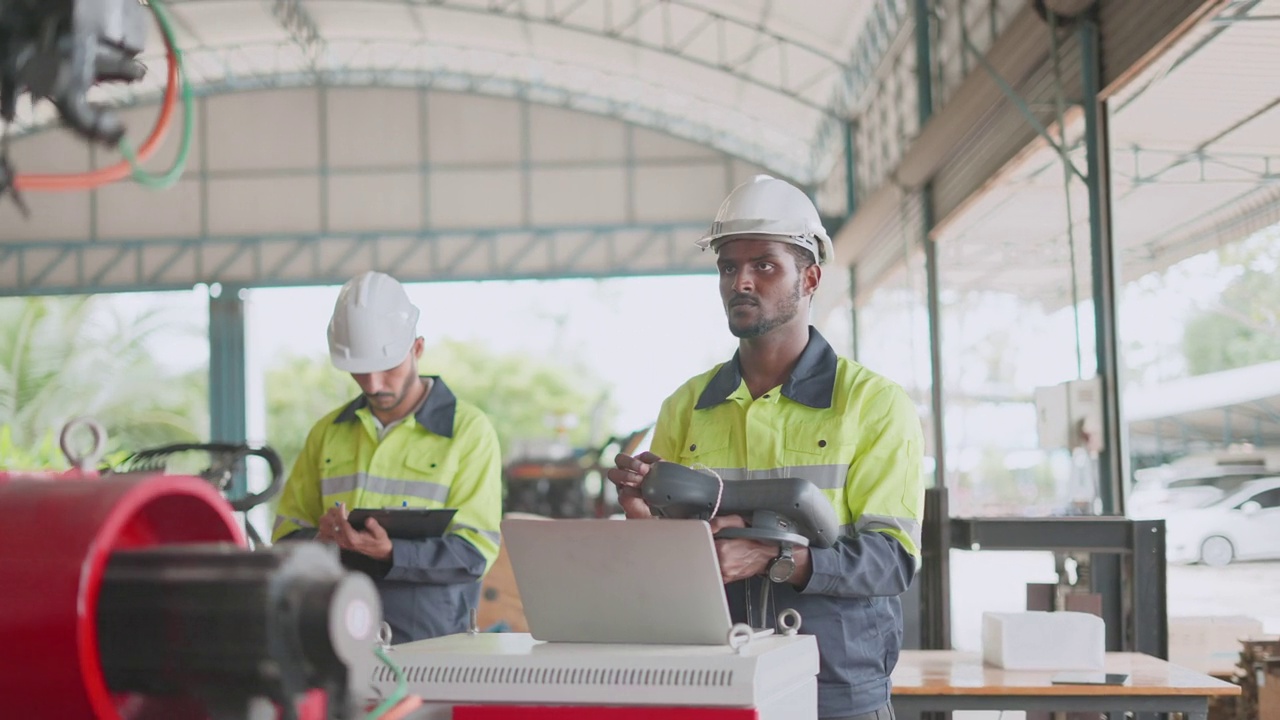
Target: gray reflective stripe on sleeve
872, 523
423, 489
490, 534
282, 519
824, 477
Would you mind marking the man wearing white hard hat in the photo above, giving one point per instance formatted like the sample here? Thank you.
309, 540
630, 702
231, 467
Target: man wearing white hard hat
405, 441
786, 405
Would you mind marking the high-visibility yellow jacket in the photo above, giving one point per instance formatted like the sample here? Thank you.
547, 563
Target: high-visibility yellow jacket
857, 437
445, 455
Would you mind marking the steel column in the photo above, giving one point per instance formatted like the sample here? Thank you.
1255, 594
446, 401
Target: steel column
933, 584
851, 207
934, 580
935, 345
924, 97
850, 170
227, 404
1148, 566
853, 308
1112, 463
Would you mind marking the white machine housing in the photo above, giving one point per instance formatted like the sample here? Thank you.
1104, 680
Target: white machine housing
775, 674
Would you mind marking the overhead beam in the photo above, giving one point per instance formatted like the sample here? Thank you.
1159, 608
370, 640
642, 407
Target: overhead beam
125, 265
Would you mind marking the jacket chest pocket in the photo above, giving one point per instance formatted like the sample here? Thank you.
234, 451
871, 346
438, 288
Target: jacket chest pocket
430, 476
432, 466
707, 447
819, 440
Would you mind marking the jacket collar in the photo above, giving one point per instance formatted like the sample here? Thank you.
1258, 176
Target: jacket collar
812, 382
435, 414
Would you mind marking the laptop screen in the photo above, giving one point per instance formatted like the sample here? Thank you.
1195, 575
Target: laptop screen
619, 581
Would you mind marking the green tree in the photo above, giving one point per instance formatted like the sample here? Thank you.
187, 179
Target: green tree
521, 394
1243, 327
66, 357
299, 391
517, 392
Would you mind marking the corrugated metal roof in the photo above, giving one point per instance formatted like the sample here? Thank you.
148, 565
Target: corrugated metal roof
1195, 165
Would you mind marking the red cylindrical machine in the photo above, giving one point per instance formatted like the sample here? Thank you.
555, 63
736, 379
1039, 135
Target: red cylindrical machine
56, 536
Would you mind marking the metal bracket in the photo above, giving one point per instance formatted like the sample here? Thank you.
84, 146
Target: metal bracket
85, 461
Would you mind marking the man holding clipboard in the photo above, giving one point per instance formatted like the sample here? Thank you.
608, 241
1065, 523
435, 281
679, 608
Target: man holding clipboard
408, 446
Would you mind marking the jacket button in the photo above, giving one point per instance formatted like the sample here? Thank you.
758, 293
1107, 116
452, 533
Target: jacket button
822, 443
693, 447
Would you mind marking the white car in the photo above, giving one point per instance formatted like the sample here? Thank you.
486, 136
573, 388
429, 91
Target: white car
1161, 491
1243, 524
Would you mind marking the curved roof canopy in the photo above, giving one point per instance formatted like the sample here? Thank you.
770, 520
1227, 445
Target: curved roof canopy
763, 80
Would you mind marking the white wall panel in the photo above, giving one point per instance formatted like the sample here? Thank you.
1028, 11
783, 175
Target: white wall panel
578, 196
744, 171
381, 201
679, 192
54, 216
650, 145
264, 205
54, 151
468, 129
264, 130
369, 127
558, 135
130, 211
476, 198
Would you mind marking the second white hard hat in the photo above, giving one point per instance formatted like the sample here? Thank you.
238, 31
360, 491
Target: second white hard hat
765, 205
373, 325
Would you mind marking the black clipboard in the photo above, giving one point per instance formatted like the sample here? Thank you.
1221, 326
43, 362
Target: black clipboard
405, 523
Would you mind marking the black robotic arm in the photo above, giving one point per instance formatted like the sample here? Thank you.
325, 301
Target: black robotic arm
783, 510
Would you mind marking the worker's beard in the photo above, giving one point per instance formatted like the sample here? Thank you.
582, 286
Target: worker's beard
766, 323
387, 401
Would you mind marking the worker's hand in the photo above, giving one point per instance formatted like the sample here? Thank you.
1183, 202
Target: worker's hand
741, 558
628, 474
721, 522
330, 526
371, 541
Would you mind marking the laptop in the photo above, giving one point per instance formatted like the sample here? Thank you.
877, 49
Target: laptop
619, 581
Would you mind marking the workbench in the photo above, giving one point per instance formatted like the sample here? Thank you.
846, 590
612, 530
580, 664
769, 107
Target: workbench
946, 680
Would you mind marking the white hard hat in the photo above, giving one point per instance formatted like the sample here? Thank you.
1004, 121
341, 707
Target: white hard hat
373, 325
765, 205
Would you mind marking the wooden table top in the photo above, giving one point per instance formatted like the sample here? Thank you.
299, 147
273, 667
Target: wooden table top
949, 672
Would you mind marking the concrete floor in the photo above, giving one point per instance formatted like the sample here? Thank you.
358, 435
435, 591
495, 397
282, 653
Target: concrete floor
1248, 588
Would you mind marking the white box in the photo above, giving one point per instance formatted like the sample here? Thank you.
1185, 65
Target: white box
1044, 641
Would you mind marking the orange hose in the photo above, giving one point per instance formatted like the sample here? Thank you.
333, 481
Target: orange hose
121, 170
402, 708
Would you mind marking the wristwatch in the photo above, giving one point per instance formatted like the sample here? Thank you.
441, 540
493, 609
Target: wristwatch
782, 567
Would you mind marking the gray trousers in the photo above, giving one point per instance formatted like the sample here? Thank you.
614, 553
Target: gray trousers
884, 713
